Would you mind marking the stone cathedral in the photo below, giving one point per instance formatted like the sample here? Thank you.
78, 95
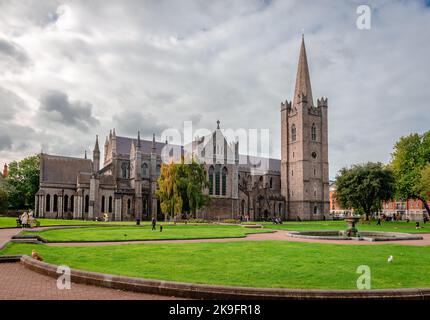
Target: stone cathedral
123, 185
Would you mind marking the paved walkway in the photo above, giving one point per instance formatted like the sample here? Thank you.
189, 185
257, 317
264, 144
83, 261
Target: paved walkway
20, 283
6, 234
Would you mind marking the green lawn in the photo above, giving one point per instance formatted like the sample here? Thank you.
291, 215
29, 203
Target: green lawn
170, 231
10, 222
255, 264
395, 226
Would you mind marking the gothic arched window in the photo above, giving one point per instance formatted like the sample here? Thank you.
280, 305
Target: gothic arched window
55, 206
66, 203
293, 132
314, 132
217, 179
224, 181
87, 203
72, 203
103, 204
271, 183
48, 203
158, 169
144, 170
125, 170
211, 180
110, 205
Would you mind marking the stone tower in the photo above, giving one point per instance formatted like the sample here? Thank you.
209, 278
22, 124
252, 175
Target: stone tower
304, 149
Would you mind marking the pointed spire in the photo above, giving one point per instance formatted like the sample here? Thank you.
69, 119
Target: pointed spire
303, 80
217, 124
96, 147
138, 140
114, 133
153, 143
85, 155
106, 141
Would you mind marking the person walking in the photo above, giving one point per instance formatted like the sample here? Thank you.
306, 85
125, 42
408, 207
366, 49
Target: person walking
154, 223
379, 222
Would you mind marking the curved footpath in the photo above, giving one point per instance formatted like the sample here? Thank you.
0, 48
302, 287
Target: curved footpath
20, 283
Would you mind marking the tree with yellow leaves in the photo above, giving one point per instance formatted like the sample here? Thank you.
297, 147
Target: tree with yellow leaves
168, 191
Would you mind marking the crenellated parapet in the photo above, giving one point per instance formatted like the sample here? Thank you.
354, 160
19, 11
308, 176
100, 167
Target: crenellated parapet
322, 102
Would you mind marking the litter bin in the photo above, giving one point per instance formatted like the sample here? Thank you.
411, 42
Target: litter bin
137, 222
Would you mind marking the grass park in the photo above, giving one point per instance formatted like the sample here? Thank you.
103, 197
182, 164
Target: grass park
274, 264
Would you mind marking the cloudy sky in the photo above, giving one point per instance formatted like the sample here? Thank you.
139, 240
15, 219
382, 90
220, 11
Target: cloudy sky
72, 69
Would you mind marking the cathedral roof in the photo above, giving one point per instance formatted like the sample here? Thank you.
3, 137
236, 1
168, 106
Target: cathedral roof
59, 169
259, 163
124, 145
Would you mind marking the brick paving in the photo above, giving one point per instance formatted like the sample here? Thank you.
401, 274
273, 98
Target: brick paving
6, 234
18, 282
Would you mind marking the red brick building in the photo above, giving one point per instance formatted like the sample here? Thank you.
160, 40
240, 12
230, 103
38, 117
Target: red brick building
410, 208
5, 171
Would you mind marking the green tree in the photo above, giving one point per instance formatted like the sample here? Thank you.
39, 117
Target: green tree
363, 187
192, 183
23, 182
168, 193
410, 157
425, 182
181, 188
4, 195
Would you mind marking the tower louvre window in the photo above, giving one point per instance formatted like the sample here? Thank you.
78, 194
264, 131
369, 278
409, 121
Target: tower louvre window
314, 132
293, 132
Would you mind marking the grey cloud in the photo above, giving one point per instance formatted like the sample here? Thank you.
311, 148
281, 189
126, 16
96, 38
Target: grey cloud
5, 141
128, 123
13, 50
12, 57
10, 104
57, 107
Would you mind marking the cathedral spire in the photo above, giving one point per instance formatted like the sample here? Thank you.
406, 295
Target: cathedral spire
138, 139
303, 80
153, 143
96, 146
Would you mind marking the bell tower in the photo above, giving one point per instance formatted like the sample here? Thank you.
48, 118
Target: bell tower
304, 149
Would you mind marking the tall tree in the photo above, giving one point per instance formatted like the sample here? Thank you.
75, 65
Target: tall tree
4, 195
181, 187
168, 193
410, 157
23, 182
363, 187
193, 182
425, 182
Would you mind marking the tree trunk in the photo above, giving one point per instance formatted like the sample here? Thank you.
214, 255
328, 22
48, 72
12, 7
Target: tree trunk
425, 205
